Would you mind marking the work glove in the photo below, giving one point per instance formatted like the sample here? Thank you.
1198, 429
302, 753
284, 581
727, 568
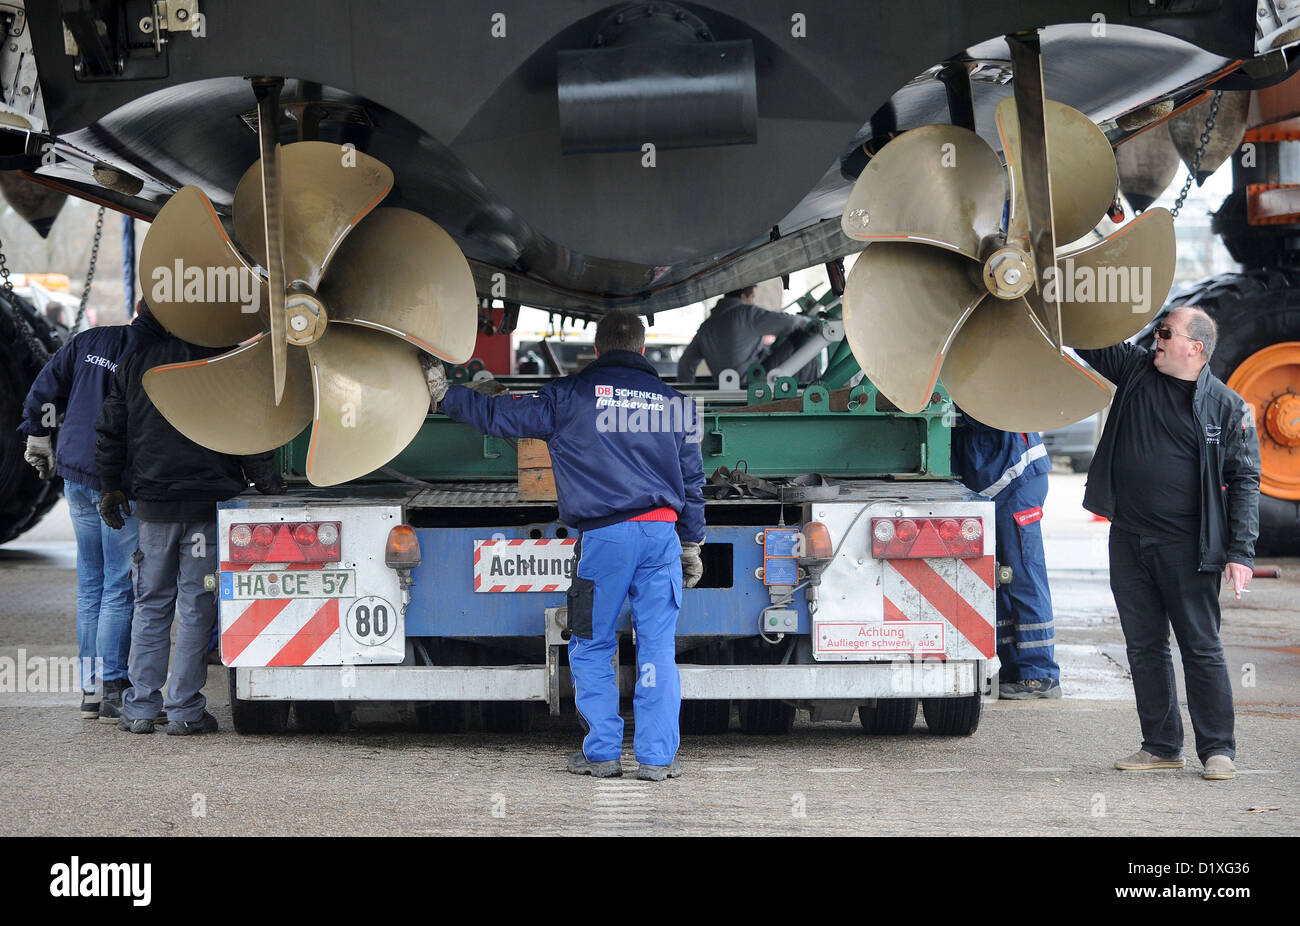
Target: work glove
692, 565
435, 378
489, 386
112, 506
40, 455
272, 486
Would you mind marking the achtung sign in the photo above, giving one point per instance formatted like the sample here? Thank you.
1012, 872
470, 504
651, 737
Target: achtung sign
545, 565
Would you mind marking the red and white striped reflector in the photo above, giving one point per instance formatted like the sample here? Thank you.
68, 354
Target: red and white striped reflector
286, 542
921, 538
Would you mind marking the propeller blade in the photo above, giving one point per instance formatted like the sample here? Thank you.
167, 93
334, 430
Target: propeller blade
325, 191
938, 184
1110, 290
902, 304
1003, 370
371, 399
196, 283
1081, 165
224, 402
400, 273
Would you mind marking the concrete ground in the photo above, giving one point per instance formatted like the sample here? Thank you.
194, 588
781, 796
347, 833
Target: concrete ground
1033, 768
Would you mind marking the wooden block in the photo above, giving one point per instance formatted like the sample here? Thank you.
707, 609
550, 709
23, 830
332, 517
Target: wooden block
533, 454
537, 485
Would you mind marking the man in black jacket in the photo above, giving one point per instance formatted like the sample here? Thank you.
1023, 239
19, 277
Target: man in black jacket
1177, 472
177, 486
735, 336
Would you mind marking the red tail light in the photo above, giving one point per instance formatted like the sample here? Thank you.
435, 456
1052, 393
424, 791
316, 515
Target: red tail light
286, 542
911, 538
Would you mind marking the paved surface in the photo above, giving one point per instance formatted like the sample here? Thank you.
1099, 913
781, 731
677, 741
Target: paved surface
1033, 768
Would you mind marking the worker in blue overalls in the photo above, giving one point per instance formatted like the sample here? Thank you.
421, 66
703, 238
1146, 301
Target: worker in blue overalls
1011, 468
629, 475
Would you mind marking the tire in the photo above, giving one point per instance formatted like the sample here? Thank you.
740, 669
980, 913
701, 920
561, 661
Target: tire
706, 718
890, 716
1080, 462
953, 716
443, 716
766, 718
25, 498
257, 717
508, 716
316, 716
1254, 309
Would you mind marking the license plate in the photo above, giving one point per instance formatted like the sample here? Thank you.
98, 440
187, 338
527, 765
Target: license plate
304, 583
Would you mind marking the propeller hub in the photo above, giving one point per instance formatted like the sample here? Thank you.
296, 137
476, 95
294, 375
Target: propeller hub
305, 318
1008, 273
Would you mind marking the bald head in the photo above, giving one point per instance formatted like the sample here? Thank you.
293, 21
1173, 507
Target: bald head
1193, 336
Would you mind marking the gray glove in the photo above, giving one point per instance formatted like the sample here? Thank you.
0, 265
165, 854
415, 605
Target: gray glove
692, 565
489, 387
435, 377
40, 455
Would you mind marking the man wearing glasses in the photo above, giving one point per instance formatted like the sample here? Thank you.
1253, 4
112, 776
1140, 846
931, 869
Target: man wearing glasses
1177, 472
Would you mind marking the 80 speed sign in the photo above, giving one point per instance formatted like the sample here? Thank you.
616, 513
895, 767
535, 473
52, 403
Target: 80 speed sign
371, 620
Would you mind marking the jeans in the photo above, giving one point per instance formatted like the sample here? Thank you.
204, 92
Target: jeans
1156, 585
173, 559
104, 599
640, 560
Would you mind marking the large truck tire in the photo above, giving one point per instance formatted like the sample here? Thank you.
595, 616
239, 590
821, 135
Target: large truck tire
257, 717
953, 716
705, 718
766, 718
890, 716
1255, 311
25, 498
316, 716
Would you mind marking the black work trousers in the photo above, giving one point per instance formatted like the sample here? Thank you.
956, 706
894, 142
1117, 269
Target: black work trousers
1156, 584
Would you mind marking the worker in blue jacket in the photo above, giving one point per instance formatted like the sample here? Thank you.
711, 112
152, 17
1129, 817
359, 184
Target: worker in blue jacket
1011, 468
629, 475
73, 386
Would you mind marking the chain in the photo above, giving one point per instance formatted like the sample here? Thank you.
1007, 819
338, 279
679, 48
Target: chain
90, 271
1196, 160
4, 270
28, 334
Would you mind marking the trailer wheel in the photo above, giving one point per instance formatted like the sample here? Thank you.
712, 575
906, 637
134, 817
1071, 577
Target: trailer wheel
25, 498
705, 718
1258, 313
316, 716
257, 717
766, 718
953, 716
508, 716
444, 716
889, 716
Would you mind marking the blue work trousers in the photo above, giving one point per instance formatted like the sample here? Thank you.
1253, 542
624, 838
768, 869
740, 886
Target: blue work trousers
104, 599
641, 561
1026, 636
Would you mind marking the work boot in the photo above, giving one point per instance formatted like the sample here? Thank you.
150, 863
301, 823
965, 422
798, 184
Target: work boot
1219, 768
1143, 761
1029, 688
659, 772
579, 764
135, 726
205, 724
89, 708
110, 711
